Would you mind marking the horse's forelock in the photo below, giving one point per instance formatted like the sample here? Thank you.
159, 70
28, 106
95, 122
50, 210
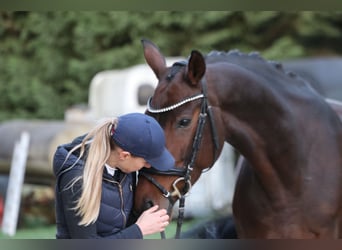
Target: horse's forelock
175, 68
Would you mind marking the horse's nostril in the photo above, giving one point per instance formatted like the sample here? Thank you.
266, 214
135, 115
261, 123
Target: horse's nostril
148, 204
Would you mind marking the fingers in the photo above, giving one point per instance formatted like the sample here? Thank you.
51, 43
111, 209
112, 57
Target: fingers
154, 209
153, 220
160, 216
163, 226
164, 217
163, 222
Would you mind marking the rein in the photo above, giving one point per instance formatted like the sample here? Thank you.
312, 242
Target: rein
184, 174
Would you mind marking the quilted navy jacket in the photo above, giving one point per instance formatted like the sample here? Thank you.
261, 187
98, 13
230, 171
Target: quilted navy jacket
116, 201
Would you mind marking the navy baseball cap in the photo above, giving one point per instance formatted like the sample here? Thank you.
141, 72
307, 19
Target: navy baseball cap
142, 136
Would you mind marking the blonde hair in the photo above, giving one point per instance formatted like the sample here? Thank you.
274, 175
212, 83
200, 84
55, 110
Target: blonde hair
101, 144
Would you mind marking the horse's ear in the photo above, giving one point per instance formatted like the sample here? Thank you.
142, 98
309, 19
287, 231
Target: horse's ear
196, 67
154, 57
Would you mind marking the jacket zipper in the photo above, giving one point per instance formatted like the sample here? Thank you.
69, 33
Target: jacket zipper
121, 198
122, 205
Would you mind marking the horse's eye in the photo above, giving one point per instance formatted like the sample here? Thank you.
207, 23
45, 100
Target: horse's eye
184, 123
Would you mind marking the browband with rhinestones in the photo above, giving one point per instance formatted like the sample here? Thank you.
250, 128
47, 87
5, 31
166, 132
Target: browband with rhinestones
172, 107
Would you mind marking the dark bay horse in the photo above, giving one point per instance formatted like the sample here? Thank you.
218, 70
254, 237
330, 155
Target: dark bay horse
290, 183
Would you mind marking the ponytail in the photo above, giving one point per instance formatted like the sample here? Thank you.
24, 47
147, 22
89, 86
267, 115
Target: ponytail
88, 205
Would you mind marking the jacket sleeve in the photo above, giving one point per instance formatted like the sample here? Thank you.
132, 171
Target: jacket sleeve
69, 196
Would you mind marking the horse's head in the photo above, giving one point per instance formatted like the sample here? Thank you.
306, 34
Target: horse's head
181, 107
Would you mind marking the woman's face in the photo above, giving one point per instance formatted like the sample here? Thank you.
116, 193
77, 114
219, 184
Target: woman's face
131, 164
125, 161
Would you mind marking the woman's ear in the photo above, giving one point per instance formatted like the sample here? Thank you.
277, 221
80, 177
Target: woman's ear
123, 155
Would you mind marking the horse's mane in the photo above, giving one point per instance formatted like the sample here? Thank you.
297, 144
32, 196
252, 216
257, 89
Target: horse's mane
252, 61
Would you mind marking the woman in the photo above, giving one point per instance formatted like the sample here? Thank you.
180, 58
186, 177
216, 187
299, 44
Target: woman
96, 177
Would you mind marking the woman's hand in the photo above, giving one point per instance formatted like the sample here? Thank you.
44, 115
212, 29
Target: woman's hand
153, 220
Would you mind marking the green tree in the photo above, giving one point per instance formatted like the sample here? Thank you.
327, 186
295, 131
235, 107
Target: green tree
49, 58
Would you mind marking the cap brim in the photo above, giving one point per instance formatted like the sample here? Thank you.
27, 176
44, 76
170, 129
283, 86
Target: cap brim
164, 162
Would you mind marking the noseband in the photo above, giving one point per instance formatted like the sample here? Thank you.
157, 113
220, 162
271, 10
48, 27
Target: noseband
185, 173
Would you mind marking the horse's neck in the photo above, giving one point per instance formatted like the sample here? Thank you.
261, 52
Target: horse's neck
263, 153
279, 130
262, 125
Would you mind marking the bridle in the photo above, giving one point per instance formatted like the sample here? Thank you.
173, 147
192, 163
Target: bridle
184, 173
